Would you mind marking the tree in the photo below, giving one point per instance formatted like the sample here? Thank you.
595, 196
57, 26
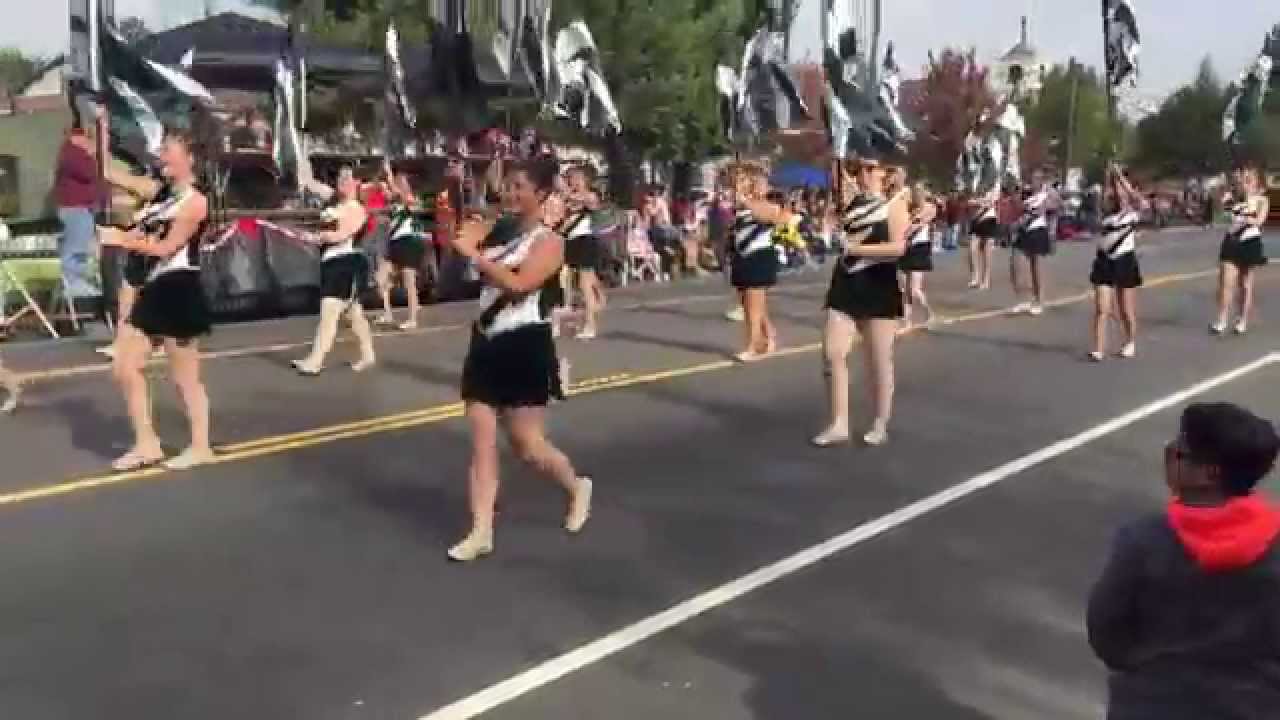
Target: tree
950, 100
16, 70
1091, 138
1185, 136
133, 29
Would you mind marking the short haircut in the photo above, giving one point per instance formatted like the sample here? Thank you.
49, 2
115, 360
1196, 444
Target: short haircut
542, 172
181, 136
1240, 444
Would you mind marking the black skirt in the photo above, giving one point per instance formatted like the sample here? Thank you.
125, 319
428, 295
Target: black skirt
1034, 242
344, 277
407, 251
873, 292
172, 305
756, 270
1122, 273
918, 258
988, 229
583, 252
517, 368
1244, 254
137, 267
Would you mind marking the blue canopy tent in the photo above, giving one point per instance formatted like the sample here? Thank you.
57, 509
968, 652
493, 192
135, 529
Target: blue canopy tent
792, 175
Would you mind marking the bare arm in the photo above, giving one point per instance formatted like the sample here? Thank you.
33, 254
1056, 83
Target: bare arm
544, 260
351, 218
185, 225
767, 212
143, 187
1260, 211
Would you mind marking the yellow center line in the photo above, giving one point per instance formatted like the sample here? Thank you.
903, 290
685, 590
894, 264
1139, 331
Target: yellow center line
276, 444
62, 373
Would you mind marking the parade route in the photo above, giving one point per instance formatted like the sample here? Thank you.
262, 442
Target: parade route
731, 570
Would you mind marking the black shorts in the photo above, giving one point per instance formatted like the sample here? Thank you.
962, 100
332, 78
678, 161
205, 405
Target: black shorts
583, 252
987, 229
172, 305
757, 270
1034, 242
1244, 254
517, 368
344, 277
137, 267
918, 258
407, 251
1122, 273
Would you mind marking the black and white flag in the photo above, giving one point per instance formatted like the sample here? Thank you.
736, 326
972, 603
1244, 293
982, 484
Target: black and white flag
860, 120
1123, 42
142, 96
286, 149
400, 116
534, 52
768, 99
580, 93
728, 87
1247, 96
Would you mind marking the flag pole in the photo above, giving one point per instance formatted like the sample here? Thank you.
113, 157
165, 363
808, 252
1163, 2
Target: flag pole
1107, 73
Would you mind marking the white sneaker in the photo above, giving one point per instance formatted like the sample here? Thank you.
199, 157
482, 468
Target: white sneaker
1021, 309
1218, 329
831, 436
736, 314
1241, 327
1129, 351
474, 546
876, 437
579, 507
1095, 356
1036, 310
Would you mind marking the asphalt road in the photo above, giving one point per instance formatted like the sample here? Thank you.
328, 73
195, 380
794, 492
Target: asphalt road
730, 570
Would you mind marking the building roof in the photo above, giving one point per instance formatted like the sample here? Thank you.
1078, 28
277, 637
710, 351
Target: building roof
1023, 51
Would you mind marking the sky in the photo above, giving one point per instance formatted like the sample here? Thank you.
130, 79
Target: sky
1177, 33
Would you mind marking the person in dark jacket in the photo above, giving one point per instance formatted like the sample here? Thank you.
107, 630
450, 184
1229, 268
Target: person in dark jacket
1186, 615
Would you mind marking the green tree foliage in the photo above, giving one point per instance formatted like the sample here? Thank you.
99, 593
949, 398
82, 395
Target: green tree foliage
659, 62
16, 70
1184, 137
1050, 131
661, 65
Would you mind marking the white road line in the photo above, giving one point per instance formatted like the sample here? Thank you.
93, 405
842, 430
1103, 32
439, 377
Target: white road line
597, 650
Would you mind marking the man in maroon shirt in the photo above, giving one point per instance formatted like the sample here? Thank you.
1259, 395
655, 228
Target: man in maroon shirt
77, 190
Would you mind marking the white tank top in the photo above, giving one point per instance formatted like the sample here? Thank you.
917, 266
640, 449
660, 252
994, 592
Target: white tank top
1119, 234
157, 218
347, 246
500, 311
1242, 223
1033, 209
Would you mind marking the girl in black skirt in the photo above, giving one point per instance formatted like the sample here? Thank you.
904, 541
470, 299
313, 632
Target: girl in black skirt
344, 274
753, 259
583, 253
511, 370
1033, 243
865, 299
918, 259
406, 250
171, 308
1242, 251
1116, 276
984, 229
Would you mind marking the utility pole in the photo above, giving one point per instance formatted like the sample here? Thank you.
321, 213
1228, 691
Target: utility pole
1074, 71
873, 62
